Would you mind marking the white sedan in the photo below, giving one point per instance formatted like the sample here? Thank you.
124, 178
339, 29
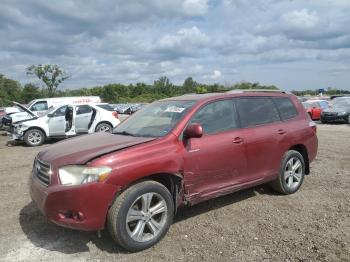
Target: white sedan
65, 121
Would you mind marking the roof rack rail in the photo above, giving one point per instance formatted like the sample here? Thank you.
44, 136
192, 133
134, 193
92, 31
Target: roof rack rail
257, 90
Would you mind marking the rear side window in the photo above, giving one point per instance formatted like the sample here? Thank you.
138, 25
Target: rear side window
84, 109
286, 107
216, 117
255, 111
106, 107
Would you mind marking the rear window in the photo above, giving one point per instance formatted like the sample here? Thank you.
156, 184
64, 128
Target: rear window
106, 107
286, 107
255, 111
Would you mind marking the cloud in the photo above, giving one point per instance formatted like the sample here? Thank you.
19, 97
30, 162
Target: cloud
225, 41
301, 19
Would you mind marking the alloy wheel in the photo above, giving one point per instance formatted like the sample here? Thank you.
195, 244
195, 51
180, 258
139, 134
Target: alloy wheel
146, 217
34, 138
293, 173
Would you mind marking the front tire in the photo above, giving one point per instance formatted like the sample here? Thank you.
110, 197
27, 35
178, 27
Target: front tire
291, 175
34, 137
141, 215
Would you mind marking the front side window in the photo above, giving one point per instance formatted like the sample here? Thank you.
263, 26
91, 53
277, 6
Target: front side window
60, 111
216, 117
255, 111
39, 106
156, 119
286, 107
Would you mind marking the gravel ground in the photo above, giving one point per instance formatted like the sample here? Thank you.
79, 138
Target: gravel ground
252, 225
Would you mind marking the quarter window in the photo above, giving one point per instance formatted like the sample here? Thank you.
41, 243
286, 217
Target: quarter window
216, 117
257, 111
286, 107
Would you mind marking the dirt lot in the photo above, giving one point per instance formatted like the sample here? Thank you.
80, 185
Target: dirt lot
253, 225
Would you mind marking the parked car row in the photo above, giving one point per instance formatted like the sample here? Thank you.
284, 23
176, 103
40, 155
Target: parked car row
336, 110
127, 108
339, 111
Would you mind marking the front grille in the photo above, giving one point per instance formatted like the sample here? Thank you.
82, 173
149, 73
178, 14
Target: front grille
42, 171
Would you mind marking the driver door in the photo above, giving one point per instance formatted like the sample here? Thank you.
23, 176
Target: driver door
216, 162
57, 122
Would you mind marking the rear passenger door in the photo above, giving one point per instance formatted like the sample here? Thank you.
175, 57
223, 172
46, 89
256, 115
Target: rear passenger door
82, 118
262, 132
214, 163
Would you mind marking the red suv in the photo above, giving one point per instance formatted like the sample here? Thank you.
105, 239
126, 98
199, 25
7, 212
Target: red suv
174, 152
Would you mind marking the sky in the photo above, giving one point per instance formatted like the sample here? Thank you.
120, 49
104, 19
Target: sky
301, 44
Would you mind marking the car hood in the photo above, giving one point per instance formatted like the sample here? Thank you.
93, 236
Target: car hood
337, 110
80, 150
24, 109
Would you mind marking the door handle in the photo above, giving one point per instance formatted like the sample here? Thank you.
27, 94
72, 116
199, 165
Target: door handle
281, 131
237, 140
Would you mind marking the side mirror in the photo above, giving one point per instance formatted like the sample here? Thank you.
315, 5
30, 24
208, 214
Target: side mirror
50, 115
193, 131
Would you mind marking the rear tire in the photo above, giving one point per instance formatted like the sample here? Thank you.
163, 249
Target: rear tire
291, 175
141, 215
104, 127
34, 137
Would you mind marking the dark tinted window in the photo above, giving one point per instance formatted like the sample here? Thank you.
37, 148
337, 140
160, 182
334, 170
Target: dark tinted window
60, 111
39, 106
106, 107
84, 109
286, 107
216, 117
257, 111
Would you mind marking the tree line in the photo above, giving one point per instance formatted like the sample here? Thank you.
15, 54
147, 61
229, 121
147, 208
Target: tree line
51, 76
11, 90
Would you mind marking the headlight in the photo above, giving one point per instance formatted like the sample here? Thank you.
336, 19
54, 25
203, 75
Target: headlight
77, 175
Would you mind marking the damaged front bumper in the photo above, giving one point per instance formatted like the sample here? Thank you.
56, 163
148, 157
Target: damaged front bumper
15, 133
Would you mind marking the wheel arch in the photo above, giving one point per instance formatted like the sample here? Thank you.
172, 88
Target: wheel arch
173, 182
303, 151
36, 127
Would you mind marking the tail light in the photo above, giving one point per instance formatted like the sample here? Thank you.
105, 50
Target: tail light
313, 126
115, 114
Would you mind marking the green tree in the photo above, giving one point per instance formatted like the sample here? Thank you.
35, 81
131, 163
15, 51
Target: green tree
51, 75
30, 92
10, 90
189, 85
163, 86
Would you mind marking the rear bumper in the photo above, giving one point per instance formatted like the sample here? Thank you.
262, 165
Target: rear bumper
81, 207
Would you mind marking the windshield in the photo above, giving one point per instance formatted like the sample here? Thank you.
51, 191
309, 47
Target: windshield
341, 104
155, 120
308, 105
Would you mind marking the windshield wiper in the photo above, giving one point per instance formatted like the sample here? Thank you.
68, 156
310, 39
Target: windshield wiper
124, 133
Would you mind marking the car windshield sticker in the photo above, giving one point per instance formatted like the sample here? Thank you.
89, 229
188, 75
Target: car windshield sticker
174, 109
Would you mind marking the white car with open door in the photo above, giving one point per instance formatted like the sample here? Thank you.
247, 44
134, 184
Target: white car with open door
65, 121
38, 107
